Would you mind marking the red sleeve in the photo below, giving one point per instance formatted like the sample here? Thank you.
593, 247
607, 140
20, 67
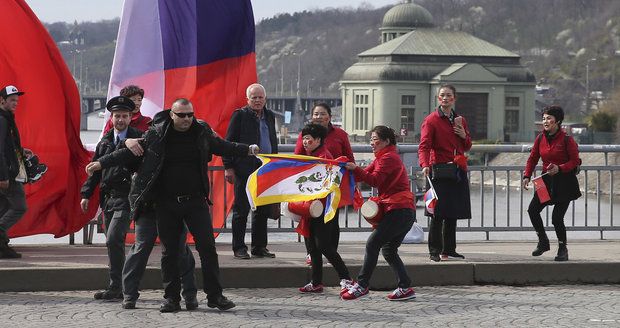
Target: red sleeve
426, 143
573, 155
533, 159
380, 170
346, 145
108, 126
299, 146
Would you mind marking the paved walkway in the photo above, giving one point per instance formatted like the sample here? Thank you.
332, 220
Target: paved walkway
63, 267
447, 306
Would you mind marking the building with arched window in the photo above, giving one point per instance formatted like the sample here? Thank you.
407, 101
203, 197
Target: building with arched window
395, 83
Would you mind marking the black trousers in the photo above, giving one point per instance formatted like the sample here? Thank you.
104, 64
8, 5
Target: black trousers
387, 237
334, 228
321, 243
557, 218
241, 209
171, 217
441, 236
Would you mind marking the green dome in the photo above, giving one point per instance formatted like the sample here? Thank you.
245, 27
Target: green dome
407, 15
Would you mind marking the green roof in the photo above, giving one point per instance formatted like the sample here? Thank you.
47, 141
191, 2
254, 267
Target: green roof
438, 42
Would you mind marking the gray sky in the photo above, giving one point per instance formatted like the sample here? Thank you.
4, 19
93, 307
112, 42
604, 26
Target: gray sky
92, 10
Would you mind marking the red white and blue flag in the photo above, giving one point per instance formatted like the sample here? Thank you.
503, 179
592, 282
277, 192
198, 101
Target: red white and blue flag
296, 178
202, 50
430, 198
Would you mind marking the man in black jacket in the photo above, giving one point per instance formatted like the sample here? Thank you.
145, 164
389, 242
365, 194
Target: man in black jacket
173, 175
12, 169
253, 124
114, 188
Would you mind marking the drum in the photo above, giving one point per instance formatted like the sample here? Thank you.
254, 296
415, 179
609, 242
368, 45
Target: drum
296, 210
371, 211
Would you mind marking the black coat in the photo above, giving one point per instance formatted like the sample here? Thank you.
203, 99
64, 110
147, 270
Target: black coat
244, 127
154, 153
114, 181
9, 143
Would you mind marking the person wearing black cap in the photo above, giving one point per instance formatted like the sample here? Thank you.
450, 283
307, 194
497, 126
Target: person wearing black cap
114, 185
12, 169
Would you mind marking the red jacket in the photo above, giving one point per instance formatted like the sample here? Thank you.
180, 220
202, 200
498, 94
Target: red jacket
388, 174
438, 142
563, 153
337, 142
138, 121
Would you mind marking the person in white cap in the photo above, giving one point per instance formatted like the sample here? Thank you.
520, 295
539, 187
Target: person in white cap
12, 169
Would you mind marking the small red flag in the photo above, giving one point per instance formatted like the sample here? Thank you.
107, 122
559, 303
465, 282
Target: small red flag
541, 190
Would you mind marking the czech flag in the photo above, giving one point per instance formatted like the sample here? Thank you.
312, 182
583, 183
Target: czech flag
202, 50
541, 190
296, 178
48, 119
430, 199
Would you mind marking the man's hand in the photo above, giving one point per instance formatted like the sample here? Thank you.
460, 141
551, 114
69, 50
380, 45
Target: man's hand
4, 184
28, 153
84, 205
92, 167
134, 146
525, 182
229, 175
426, 171
254, 149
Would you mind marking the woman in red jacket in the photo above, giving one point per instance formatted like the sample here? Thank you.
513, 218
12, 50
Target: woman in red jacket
337, 142
319, 242
560, 157
444, 139
388, 174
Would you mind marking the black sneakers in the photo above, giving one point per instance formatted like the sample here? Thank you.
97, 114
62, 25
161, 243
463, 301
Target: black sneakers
263, 252
108, 294
191, 303
34, 169
451, 256
221, 302
169, 305
7, 252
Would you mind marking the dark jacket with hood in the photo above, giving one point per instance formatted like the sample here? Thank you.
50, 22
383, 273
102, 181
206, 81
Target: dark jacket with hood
115, 181
10, 145
154, 145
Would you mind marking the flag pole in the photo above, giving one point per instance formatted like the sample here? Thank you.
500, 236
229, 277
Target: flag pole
432, 187
540, 176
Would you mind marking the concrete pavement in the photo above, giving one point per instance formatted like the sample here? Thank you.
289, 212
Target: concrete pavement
63, 267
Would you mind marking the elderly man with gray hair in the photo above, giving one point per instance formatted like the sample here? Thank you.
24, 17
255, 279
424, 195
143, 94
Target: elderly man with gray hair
252, 124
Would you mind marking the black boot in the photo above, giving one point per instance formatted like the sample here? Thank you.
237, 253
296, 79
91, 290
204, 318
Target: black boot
562, 253
543, 245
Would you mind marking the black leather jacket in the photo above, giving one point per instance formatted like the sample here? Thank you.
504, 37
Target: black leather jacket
114, 181
154, 153
9, 142
244, 127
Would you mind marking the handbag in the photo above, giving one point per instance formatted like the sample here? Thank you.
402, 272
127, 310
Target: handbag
444, 171
415, 235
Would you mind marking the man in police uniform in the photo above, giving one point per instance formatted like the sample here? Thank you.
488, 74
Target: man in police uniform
114, 188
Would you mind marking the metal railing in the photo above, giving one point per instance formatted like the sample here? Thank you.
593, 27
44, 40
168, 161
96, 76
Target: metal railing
499, 204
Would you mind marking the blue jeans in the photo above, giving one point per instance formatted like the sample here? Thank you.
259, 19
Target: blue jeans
387, 237
137, 259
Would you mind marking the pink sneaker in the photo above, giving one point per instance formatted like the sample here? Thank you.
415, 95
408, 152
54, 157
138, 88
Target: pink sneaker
308, 260
356, 291
401, 294
345, 285
310, 288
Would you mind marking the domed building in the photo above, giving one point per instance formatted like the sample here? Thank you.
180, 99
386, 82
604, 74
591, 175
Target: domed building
395, 83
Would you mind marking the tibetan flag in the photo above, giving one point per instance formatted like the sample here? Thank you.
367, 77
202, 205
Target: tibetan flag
541, 190
430, 200
202, 50
48, 119
295, 178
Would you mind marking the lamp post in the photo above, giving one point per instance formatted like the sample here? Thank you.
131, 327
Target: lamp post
588, 82
613, 70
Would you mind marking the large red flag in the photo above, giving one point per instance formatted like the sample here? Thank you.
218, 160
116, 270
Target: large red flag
196, 49
48, 118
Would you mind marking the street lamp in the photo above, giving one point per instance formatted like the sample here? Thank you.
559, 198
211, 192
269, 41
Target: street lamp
588, 82
613, 70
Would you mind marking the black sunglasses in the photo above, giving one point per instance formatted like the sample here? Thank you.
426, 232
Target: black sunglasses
184, 115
